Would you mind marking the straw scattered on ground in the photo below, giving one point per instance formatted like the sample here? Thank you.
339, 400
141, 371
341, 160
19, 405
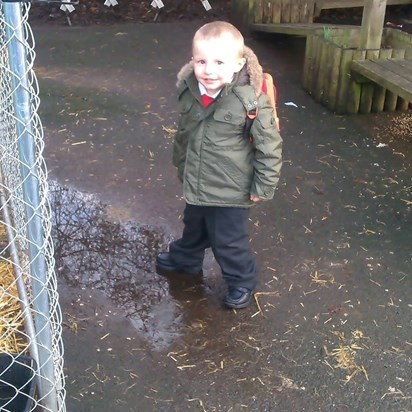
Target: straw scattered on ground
345, 355
11, 320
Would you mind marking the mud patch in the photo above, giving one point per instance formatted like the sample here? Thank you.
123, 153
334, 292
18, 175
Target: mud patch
94, 252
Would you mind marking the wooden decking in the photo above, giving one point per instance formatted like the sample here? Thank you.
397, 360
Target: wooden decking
295, 12
343, 4
357, 69
297, 29
394, 75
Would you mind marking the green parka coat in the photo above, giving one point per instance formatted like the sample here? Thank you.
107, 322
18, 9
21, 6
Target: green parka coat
216, 163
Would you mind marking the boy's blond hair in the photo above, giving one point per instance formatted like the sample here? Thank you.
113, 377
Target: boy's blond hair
219, 29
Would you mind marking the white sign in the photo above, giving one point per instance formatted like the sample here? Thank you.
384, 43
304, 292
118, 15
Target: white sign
157, 4
109, 3
67, 7
206, 5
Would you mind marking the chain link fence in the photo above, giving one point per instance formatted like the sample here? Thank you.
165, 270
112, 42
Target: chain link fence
31, 350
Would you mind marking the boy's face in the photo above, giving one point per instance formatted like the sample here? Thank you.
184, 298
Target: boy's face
216, 60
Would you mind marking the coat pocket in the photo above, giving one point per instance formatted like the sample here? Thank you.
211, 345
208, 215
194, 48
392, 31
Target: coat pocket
226, 131
228, 117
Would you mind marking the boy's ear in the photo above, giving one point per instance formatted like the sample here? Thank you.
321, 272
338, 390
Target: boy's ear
240, 64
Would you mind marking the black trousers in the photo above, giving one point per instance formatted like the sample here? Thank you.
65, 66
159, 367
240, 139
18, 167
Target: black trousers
224, 229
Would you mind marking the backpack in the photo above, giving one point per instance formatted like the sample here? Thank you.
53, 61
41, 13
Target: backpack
269, 88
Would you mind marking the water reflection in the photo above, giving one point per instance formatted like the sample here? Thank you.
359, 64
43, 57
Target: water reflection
92, 251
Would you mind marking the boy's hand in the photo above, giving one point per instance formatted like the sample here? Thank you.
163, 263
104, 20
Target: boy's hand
255, 198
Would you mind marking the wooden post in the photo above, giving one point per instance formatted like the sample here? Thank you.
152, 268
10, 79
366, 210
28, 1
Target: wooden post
318, 40
286, 8
241, 14
344, 80
257, 11
309, 8
366, 99
267, 12
355, 89
379, 94
308, 62
322, 71
295, 11
325, 83
334, 77
391, 100
277, 11
402, 104
373, 19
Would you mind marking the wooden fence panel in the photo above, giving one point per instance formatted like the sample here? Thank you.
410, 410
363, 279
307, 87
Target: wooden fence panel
258, 11
277, 11
267, 12
286, 8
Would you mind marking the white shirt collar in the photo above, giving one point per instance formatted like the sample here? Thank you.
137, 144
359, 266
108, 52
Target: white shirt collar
202, 90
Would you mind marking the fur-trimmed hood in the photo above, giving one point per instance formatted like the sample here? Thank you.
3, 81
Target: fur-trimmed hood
251, 73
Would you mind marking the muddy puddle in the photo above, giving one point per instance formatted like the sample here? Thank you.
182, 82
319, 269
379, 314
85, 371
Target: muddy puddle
93, 251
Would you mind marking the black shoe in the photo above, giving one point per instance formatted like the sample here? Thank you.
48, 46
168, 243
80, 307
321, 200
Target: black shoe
164, 262
238, 298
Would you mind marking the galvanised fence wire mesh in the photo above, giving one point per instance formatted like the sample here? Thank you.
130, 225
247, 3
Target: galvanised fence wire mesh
31, 350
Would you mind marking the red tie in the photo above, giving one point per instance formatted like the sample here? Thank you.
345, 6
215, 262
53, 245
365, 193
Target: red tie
206, 100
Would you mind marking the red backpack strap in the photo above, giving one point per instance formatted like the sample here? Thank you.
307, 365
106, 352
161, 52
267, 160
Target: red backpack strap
250, 118
269, 88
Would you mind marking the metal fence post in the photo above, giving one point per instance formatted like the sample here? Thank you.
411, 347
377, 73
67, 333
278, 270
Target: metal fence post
26, 145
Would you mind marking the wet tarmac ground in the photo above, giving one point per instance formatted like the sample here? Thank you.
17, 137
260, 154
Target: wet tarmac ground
330, 328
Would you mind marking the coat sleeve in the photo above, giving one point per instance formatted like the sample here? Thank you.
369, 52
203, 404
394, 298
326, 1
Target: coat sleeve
180, 138
179, 153
267, 143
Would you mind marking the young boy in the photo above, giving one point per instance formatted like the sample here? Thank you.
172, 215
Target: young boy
223, 173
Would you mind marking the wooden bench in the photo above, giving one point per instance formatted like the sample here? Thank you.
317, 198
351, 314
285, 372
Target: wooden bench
394, 75
296, 29
343, 4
